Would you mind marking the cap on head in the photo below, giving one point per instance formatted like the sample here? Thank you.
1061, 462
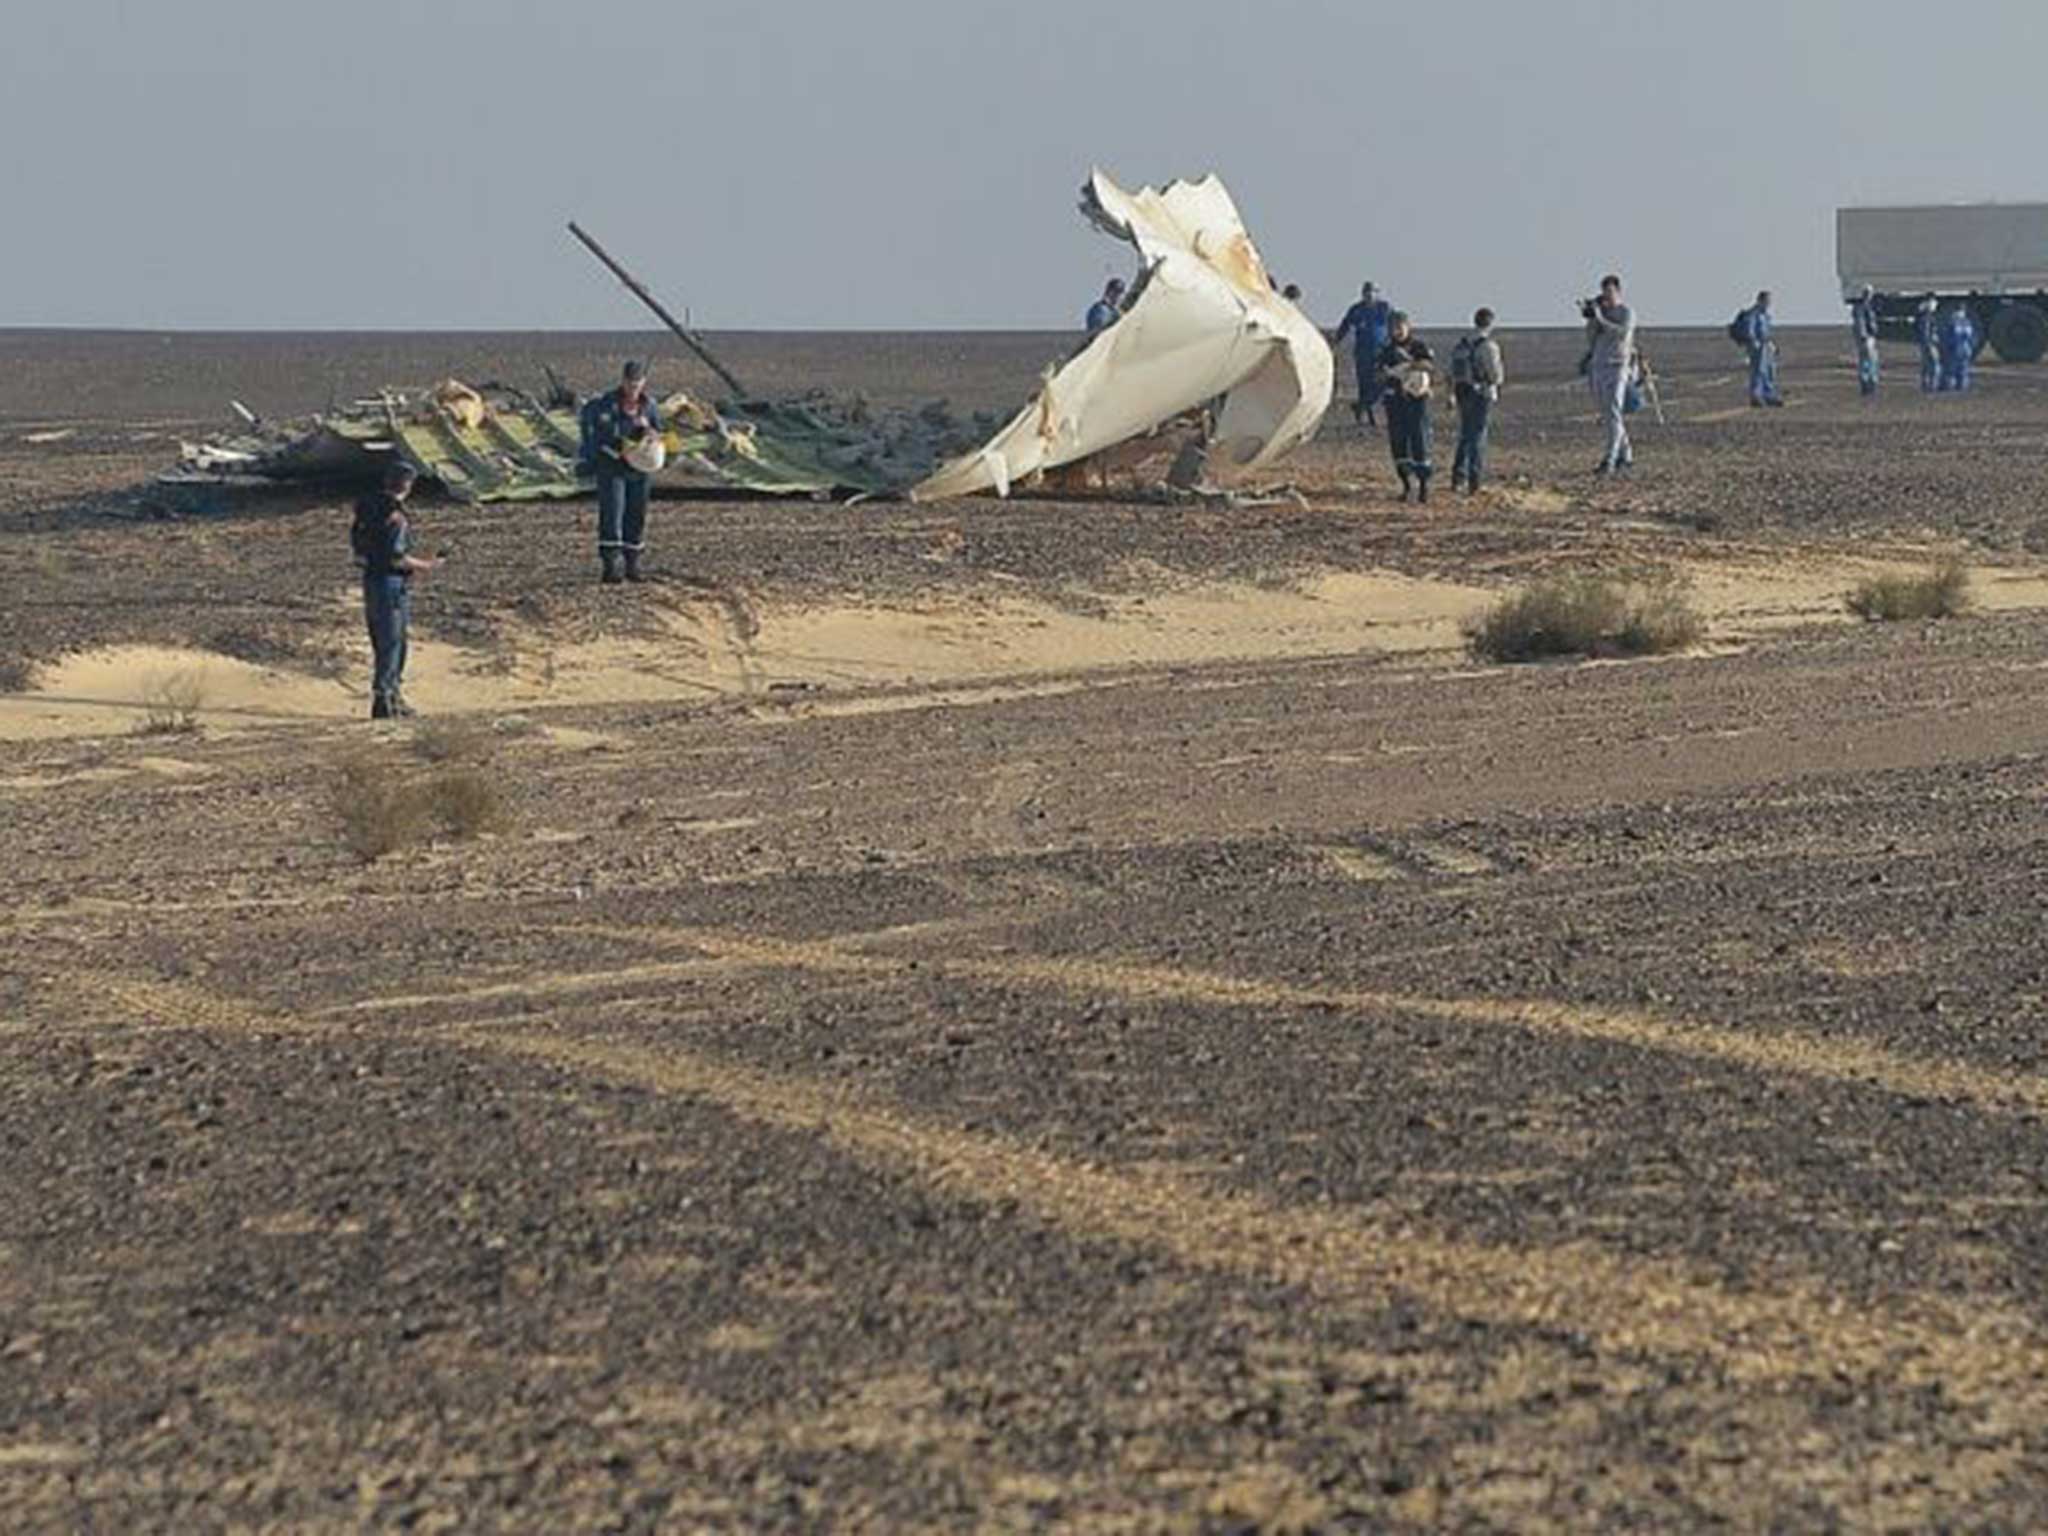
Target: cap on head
635, 372
1482, 318
1611, 280
1114, 285
1369, 289
399, 476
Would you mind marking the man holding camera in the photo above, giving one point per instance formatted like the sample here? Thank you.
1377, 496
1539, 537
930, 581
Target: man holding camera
1611, 335
614, 424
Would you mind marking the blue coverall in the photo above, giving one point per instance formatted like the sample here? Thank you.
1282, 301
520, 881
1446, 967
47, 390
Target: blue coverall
1763, 358
1958, 350
1863, 326
1368, 325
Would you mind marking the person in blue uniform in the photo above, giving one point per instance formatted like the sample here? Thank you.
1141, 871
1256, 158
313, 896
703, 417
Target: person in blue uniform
1763, 353
611, 423
1958, 350
382, 539
1108, 309
1863, 327
1368, 323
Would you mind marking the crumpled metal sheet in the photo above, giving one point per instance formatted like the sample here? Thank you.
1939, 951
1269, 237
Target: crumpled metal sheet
1205, 325
496, 443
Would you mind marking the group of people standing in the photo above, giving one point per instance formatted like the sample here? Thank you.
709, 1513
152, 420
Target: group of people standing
1947, 339
1396, 371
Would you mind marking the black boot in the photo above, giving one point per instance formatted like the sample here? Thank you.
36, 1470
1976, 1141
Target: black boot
380, 707
632, 565
612, 575
1422, 495
400, 710
1407, 488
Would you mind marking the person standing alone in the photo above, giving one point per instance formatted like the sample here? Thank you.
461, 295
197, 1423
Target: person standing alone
1611, 337
1477, 374
1368, 323
1863, 326
614, 425
1752, 329
382, 539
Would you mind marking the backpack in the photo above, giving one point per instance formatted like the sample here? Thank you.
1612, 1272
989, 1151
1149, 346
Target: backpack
1738, 328
1464, 375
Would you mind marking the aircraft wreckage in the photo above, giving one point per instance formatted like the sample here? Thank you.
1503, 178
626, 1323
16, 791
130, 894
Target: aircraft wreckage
1208, 367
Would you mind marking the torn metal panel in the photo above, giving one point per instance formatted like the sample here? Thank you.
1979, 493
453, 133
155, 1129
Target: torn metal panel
497, 443
1204, 325
493, 444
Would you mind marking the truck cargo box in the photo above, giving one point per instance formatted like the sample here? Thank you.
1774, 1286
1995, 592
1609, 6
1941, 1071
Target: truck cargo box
1986, 248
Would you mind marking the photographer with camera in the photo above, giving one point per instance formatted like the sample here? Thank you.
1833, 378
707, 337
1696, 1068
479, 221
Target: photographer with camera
1611, 338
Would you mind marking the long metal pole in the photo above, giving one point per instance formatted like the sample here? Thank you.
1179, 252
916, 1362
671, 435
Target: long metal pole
639, 291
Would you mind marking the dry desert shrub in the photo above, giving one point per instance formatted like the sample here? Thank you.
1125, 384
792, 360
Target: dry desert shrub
466, 801
1586, 615
385, 806
381, 809
171, 704
451, 741
1940, 592
16, 672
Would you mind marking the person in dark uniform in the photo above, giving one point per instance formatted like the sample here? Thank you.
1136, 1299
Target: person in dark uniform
1406, 373
612, 423
382, 539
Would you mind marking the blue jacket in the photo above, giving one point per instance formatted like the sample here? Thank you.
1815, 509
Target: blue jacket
1863, 319
604, 422
1368, 325
1758, 328
1102, 315
1959, 332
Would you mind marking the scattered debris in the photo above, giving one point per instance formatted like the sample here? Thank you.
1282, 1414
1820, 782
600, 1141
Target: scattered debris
56, 436
1208, 370
497, 443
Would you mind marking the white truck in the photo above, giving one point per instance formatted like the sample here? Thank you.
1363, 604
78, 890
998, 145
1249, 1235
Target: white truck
1991, 258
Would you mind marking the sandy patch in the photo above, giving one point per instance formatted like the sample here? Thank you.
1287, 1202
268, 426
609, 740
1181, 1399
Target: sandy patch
852, 657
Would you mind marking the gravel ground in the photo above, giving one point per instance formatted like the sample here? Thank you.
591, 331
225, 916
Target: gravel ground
1326, 1093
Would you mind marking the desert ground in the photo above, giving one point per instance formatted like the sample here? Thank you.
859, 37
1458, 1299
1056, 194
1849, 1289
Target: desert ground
1085, 1012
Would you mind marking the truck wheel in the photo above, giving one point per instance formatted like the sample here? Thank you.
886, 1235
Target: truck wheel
2019, 333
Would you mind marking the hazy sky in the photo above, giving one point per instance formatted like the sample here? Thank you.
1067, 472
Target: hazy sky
912, 163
